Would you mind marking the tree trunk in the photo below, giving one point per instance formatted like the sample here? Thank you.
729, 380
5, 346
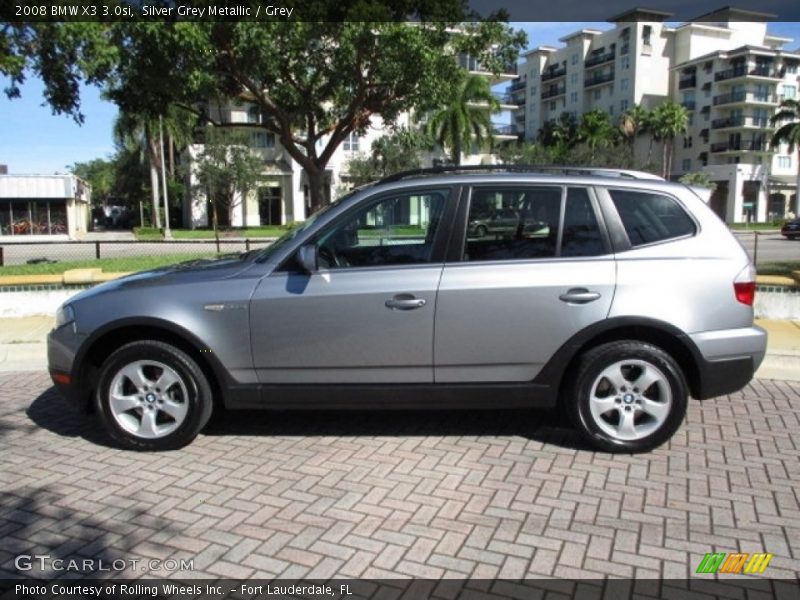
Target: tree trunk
797, 188
156, 220
171, 155
316, 185
215, 222
664, 158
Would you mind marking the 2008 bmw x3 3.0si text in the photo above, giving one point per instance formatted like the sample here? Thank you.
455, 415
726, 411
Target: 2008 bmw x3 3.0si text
615, 297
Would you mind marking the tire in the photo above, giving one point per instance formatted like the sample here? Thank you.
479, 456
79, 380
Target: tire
140, 414
615, 414
481, 231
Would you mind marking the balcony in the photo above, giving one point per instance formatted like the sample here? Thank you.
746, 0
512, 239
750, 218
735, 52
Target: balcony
687, 82
506, 130
508, 99
741, 146
549, 74
599, 59
598, 79
740, 121
745, 96
516, 85
766, 71
688, 104
738, 71
470, 63
554, 91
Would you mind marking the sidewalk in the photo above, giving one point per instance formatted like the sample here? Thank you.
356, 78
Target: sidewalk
23, 346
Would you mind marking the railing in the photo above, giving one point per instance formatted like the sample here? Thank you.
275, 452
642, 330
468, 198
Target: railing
505, 129
767, 71
740, 121
548, 74
554, 91
517, 84
688, 104
741, 146
687, 82
739, 71
745, 96
506, 98
598, 79
599, 59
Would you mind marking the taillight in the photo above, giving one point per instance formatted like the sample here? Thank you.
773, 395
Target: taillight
744, 285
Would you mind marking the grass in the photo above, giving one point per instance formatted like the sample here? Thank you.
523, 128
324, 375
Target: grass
267, 231
783, 268
756, 226
109, 265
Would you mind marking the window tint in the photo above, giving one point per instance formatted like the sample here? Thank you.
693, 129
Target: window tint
649, 217
509, 224
398, 230
582, 236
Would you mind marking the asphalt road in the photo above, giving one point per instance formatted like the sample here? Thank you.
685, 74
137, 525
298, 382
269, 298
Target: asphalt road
771, 247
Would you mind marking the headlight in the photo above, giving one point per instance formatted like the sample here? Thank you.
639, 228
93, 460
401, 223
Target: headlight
65, 314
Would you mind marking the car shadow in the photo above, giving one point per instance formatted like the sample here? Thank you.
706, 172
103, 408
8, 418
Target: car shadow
50, 411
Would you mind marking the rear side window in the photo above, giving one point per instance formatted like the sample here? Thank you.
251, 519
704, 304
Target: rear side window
582, 235
649, 217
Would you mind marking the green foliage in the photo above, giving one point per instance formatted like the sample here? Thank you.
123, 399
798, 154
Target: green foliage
465, 119
400, 150
667, 121
100, 173
698, 178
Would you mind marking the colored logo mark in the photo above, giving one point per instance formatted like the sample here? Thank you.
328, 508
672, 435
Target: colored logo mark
722, 562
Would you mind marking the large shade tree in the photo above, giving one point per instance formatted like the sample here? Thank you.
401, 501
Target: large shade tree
335, 68
787, 123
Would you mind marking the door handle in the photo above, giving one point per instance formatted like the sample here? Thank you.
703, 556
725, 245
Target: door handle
405, 302
579, 296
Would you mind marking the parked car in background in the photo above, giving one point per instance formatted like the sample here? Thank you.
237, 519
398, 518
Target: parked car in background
791, 230
637, 298
111, 217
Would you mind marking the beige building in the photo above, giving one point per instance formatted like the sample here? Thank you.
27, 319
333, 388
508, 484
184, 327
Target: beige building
724, 67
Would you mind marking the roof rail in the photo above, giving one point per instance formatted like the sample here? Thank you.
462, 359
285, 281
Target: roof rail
559, 169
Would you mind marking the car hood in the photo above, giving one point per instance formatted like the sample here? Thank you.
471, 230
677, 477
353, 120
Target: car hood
195, 271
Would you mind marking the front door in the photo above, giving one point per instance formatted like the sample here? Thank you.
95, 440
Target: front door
367, 314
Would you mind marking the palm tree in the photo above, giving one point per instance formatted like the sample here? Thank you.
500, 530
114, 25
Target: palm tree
596, 131
633, 123
669, 120
787, 119
467, 117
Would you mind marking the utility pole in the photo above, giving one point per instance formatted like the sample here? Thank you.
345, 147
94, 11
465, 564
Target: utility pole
167, 232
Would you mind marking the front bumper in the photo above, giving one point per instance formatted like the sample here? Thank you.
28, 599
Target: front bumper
728, 359
62, 346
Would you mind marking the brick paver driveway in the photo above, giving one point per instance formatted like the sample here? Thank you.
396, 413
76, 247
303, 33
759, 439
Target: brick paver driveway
505, 494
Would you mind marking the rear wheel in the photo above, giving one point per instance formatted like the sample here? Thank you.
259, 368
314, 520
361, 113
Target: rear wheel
152, 396
628, 396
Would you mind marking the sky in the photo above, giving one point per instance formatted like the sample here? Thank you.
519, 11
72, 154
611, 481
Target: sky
33, 140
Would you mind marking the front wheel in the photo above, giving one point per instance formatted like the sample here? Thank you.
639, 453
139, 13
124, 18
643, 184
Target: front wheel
152, 396
628, 396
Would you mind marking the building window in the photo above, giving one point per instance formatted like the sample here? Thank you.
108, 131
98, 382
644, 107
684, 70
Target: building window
784, 162
263, 139
597, 94
611, 110
626, 62
253, 115
686, 164
552, 105
789, 91
623, 106
574, 59
351, 143
690, 120
791, 68
647, 33
573, 97
687, 141
533, 90
574, 78
623, 85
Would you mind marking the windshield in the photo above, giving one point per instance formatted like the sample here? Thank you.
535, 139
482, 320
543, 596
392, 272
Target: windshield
263, 254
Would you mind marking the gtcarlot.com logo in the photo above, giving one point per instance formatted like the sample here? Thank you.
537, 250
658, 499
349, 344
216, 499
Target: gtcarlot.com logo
45, 562
737, 562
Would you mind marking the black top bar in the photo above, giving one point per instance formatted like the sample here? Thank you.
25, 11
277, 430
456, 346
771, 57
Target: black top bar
559, 169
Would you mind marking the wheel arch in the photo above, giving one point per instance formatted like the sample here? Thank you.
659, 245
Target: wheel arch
106, 340
669, 338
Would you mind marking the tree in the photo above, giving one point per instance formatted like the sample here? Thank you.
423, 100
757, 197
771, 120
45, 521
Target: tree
787, 122
466, 118
669, 120
632, 123
400, 150
560, 136
596, 131
700, 179
226, 170
100, 175
337, 66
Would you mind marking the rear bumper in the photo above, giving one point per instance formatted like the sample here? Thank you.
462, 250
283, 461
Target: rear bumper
728, 359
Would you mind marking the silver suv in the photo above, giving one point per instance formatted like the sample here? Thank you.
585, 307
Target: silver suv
615, 297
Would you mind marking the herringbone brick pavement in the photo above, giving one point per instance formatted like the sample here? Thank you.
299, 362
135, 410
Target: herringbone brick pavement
506, 494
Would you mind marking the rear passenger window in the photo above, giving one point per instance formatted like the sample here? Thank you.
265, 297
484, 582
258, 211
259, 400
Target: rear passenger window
649, 217
582, 235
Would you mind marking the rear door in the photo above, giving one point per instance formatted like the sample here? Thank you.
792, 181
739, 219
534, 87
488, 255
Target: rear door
506, 304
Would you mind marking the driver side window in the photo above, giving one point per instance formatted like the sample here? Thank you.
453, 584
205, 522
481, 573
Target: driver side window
396, 230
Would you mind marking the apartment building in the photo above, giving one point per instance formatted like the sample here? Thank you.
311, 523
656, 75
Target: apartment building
282, 194
724, 67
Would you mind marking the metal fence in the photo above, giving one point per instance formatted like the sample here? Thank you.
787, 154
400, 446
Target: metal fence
19, 253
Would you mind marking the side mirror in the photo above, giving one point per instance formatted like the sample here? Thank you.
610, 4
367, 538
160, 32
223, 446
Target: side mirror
307, 258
